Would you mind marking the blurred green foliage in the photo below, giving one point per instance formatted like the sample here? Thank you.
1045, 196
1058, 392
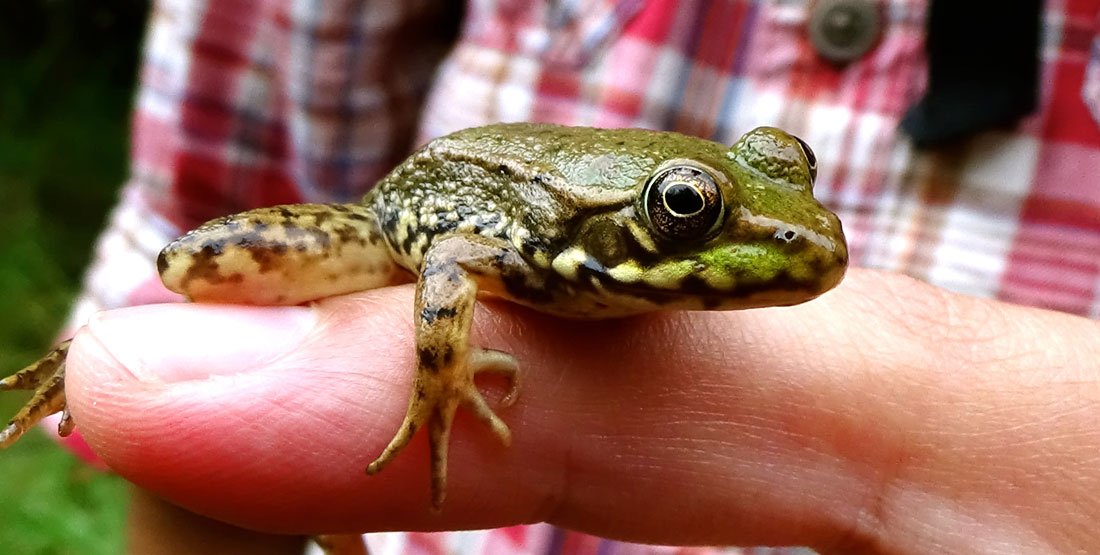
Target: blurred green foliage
67, 71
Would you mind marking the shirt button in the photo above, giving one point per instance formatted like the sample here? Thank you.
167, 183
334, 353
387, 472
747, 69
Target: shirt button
842, 31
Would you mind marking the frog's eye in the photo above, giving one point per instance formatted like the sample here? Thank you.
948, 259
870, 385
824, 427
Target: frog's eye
810, 157
683, 202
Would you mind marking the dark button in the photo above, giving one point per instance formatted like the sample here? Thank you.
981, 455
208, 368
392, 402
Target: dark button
842, 31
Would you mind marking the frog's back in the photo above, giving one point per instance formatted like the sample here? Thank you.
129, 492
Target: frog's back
520, 182
612, 159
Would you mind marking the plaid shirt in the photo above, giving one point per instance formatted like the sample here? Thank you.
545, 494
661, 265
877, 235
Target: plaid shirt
258, 103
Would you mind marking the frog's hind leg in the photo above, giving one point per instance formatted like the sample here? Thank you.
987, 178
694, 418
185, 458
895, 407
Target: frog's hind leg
446, 364
281, 255
47, 378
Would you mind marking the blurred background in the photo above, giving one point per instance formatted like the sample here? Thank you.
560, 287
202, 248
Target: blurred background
67, 73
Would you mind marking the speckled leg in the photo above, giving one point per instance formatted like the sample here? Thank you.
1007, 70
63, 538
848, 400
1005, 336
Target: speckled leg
446, 365
47, 378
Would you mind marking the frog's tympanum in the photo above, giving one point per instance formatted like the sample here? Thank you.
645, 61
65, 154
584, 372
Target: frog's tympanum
576, 222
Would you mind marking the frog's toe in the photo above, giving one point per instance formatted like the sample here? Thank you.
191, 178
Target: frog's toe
47, 378
477, 405
439, 434
65, 425
39, 371
417, 416
500, 363
341, 544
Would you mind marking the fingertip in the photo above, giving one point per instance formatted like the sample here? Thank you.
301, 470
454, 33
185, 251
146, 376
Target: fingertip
170, 402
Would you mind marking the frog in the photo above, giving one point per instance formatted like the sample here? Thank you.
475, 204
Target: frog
575, 222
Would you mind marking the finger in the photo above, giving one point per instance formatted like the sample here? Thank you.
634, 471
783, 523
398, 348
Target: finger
854, 418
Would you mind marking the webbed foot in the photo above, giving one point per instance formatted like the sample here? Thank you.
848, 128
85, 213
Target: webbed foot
446, 292
47, 378
436, 397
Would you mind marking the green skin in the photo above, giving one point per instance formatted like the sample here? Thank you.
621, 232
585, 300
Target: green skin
577, 222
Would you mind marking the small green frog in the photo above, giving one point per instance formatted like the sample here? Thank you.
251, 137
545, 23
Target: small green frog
577, 222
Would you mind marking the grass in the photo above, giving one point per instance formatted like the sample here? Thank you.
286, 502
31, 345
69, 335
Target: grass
67, 71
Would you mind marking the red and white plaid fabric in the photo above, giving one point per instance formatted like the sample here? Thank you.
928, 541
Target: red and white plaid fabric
251, 102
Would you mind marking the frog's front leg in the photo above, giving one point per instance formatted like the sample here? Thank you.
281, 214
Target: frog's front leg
446, 364
47, 378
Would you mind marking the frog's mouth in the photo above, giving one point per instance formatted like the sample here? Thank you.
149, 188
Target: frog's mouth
726, 277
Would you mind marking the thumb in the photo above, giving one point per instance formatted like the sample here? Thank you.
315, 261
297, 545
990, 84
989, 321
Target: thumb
885, 413
239, 412
266, 418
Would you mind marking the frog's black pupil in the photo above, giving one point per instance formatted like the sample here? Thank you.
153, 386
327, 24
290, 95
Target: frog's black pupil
683, 199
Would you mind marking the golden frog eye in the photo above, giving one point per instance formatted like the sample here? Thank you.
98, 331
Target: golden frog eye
811, 158
683, 202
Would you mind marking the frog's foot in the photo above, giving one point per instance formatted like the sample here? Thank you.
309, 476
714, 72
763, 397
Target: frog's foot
47, 378
341, 544
434, 401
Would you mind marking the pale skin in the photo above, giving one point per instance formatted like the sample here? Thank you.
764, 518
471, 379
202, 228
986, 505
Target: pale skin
887, 416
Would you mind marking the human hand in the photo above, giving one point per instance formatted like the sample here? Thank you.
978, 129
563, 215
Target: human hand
885, 416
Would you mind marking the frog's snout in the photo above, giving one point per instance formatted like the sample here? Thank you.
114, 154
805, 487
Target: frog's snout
779, 261
815, 258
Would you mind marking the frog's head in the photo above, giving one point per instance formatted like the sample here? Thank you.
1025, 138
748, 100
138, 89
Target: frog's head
722, 228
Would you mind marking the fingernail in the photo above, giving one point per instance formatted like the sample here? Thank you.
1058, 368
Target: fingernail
183, 342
